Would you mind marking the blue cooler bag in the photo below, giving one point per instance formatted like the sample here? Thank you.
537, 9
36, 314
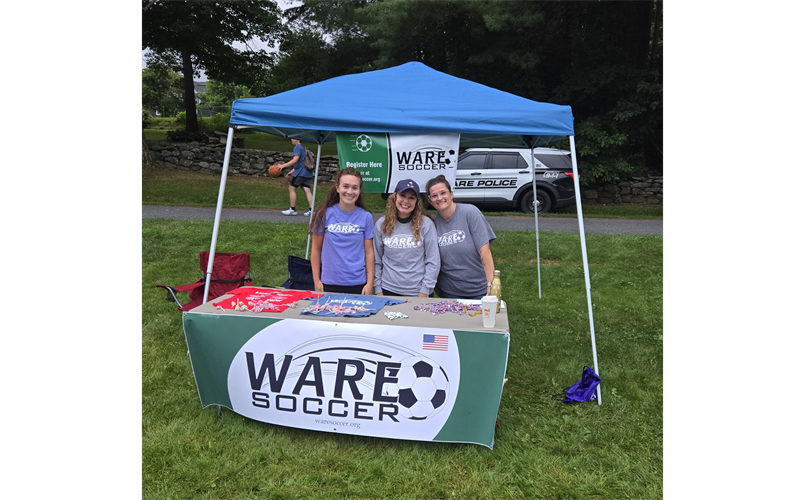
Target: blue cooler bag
584, 389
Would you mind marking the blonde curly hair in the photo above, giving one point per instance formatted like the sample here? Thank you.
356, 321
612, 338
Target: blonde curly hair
391, 217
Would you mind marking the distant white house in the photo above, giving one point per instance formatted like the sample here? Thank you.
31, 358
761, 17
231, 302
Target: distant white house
199, 87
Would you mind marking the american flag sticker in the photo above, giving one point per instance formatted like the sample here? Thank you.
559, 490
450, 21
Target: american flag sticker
434, 342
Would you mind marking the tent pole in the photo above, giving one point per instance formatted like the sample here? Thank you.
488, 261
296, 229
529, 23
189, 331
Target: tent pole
218, 209
584, 258
315, 183
536, 221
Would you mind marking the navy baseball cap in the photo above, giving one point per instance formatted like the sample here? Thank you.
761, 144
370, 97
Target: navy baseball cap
407, 184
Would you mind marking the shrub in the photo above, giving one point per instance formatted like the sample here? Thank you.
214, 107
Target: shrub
184, 136
216, 122
219, 122
146, 117
161, 123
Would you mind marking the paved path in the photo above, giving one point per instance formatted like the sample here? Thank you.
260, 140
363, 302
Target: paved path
646, 227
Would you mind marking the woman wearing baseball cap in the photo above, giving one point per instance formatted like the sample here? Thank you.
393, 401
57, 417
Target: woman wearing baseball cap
406, 251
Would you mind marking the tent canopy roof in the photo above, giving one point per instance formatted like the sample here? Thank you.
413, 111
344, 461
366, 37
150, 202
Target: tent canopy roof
408, 99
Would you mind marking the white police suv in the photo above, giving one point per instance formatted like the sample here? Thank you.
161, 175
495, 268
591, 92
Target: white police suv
503, 177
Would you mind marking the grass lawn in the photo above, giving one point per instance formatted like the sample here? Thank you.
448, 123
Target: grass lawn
184, 188
543, 448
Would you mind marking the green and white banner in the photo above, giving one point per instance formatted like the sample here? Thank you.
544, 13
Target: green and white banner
385, 159
378, 380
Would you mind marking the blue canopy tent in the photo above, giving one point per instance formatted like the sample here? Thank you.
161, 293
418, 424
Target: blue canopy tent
409, 99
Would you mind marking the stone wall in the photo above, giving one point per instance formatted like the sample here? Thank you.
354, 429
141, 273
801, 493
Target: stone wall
209, 159
637, 190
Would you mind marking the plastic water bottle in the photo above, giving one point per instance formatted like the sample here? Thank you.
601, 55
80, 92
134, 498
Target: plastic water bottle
495, 289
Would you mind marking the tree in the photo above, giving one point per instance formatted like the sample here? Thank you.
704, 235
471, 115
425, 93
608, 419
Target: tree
162, 90
148, 160
189, 36
602, 58
323, 41
337, 18
613, 80
304, 58
221, 95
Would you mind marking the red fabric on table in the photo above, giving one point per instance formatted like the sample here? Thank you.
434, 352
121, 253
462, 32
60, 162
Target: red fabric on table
249, 296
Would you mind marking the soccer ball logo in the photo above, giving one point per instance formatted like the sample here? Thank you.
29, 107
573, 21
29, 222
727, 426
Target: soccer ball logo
422, 388
452, 152
363, 143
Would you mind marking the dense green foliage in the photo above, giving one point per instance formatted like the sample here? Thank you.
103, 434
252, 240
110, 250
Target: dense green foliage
604, 59
206, 125
221, 95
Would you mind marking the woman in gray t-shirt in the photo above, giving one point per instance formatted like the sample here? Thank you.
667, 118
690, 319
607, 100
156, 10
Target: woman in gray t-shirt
464, 236
406, 252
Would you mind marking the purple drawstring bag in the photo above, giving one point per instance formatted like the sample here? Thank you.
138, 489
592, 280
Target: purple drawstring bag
584, 389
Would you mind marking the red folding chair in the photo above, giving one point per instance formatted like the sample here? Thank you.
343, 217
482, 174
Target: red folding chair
229, 271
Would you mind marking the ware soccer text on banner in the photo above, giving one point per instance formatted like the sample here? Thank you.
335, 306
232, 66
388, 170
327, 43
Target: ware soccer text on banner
414, 390
416, 160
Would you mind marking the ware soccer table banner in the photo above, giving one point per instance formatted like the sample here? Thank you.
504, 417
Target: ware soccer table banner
385, 159
400, 382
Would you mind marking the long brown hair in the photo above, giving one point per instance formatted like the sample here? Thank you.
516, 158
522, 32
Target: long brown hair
391, 216
333, 198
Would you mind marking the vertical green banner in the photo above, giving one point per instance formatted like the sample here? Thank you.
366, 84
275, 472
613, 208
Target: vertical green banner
368, 153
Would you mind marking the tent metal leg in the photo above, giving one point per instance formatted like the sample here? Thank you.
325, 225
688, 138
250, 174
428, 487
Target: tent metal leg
536, 220
584, 259
315, 184
218, 210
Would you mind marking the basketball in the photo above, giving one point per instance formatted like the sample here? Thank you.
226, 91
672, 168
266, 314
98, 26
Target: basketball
275, 171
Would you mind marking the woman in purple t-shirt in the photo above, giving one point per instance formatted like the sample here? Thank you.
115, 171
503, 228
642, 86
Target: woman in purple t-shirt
342, 256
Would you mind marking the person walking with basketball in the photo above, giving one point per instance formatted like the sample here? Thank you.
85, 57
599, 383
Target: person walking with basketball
300, 176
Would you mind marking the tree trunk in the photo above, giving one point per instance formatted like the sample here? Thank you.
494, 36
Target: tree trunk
191, 120
148, 160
